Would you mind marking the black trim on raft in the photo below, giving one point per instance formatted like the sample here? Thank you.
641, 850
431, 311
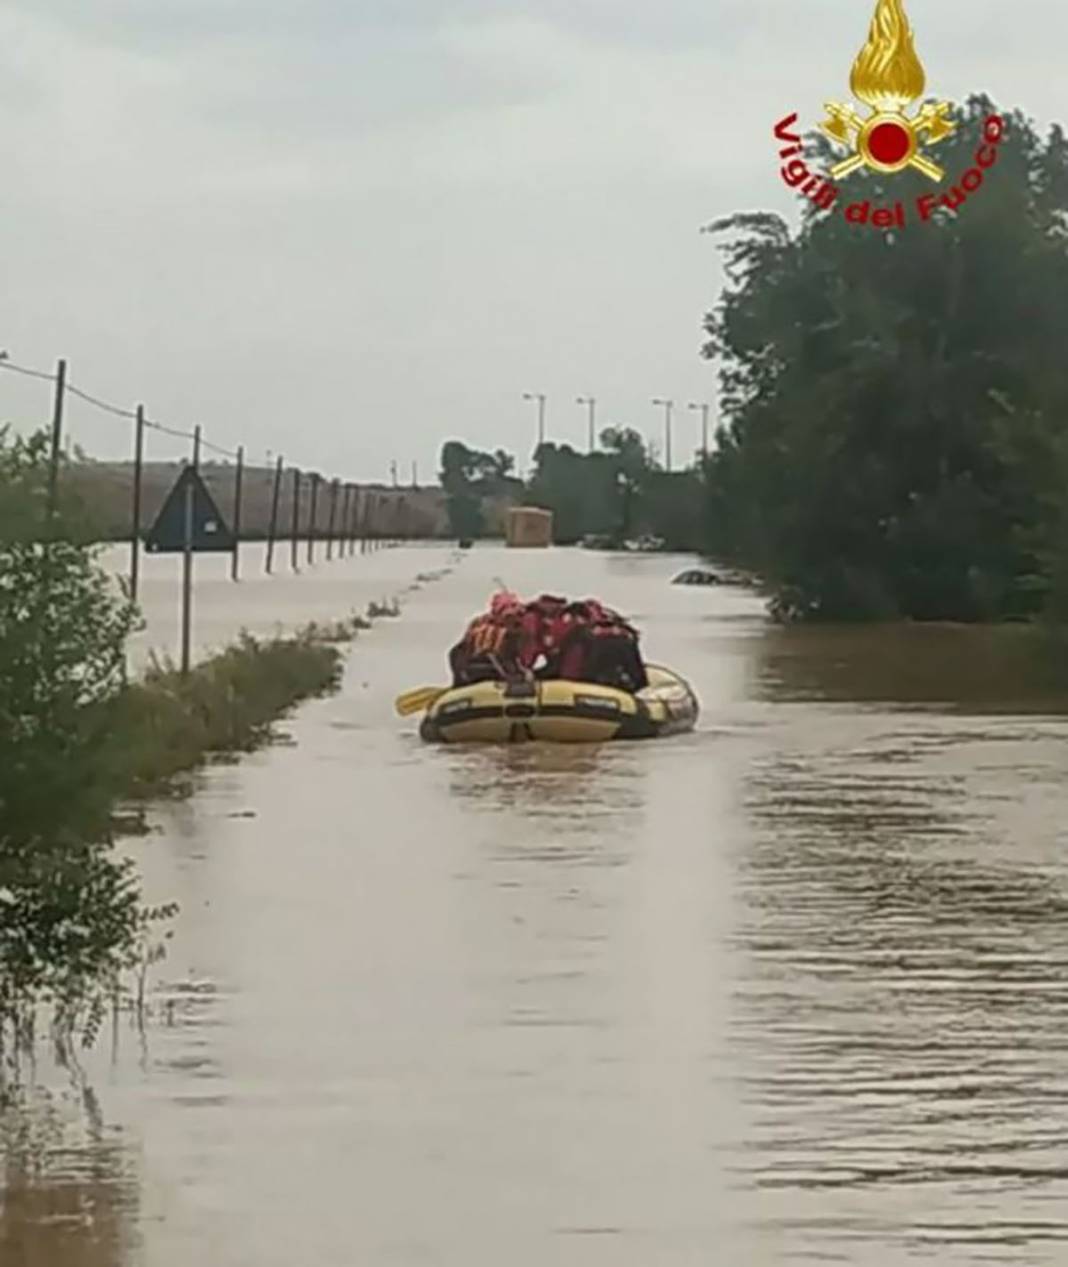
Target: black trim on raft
517, 713
639, 725
463, 716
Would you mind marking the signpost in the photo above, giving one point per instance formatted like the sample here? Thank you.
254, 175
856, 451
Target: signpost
189, 522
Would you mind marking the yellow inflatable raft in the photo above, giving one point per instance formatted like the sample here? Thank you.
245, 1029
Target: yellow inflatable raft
561, 712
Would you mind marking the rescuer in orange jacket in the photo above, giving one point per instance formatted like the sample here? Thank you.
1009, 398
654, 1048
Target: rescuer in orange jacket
541, 633
493, 646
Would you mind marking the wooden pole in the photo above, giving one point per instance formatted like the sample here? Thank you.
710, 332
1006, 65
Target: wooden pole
272, 527
187, 561
346, 510
135, 528
312, 516
296, 522
238, 482
57, 437
332, 521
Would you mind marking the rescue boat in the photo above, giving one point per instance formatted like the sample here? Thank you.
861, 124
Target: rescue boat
558, 711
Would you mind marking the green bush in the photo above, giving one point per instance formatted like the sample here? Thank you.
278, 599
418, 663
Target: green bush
76, 739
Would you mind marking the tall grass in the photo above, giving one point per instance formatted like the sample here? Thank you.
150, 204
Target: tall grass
227, 704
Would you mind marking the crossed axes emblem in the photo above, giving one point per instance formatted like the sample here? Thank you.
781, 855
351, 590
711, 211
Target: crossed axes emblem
888, 140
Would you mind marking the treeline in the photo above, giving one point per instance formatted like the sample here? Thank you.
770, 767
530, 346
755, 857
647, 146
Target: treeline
893, 440
895, 404
614, 494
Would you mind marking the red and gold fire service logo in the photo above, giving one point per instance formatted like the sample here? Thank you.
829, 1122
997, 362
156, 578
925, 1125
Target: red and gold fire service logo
888, 77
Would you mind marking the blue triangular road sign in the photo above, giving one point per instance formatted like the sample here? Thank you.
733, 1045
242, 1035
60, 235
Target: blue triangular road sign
210, 530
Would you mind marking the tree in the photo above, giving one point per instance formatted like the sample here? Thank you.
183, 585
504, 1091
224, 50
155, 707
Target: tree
469, 477
69, 912
896, 403
579, 488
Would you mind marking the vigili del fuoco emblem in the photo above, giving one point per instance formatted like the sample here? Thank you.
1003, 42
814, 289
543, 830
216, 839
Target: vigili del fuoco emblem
889, 79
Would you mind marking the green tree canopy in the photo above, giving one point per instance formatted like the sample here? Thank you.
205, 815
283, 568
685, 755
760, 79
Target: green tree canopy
896, 402
468, 477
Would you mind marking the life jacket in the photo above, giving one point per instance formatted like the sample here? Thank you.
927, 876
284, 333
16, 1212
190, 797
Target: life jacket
611, 627
605, 622
485, 636
541, 627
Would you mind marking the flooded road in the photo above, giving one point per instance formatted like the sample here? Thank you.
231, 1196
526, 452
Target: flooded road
792, 989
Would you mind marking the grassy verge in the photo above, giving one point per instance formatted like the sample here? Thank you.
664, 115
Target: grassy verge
228, 704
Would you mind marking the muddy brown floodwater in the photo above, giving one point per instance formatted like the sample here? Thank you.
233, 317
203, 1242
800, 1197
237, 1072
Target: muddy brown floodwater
793, 989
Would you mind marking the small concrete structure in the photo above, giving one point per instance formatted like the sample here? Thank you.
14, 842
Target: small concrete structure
530, 528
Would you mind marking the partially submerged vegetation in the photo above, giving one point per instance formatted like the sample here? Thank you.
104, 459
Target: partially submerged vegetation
171, 724
80, 742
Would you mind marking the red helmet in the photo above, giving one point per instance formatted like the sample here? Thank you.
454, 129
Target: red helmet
505, 603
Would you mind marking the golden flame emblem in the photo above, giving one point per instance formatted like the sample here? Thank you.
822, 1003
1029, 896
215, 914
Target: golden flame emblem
888, 77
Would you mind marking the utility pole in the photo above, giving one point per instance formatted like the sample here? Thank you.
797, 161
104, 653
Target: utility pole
135, 528
668, 406
57, 436
272, 527
540, 398
187, 560
239, 479
591, 403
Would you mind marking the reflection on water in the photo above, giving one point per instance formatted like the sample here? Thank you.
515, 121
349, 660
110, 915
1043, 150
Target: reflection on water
997, 669
70, 1190
791, 989
905, 983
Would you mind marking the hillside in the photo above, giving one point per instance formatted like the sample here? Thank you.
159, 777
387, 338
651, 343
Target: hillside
107, 490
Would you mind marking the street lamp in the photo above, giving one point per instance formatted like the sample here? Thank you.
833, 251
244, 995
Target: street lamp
704, 408
668, 406
591, 401
540, 398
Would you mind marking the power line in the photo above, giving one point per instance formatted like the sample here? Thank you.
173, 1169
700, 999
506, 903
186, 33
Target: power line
169, 431
217, 448
116, 410
5, 364
100, 404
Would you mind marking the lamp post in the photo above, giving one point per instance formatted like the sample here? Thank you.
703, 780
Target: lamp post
540, 398
668, 406
591, 403
704, 408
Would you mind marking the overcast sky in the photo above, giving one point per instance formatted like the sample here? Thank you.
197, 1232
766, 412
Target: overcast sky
346, 231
